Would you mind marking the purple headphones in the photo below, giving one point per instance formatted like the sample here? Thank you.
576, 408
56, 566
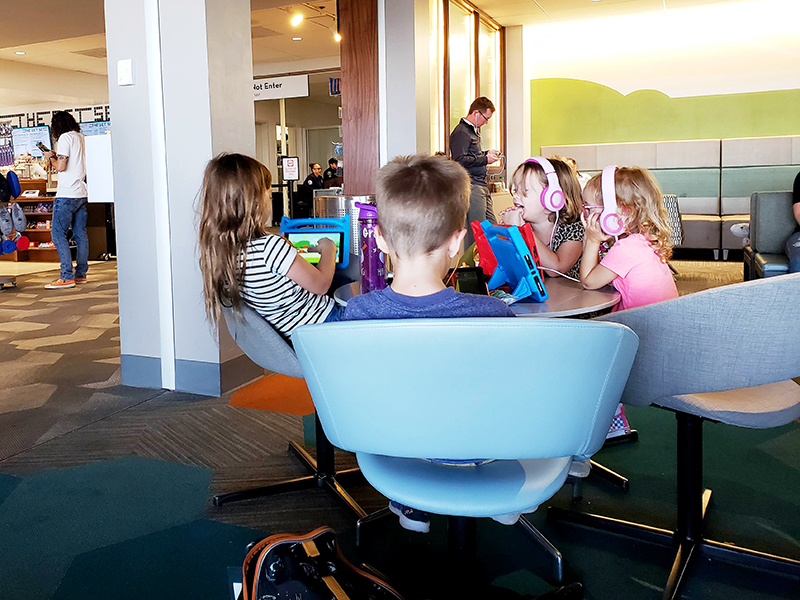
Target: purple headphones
610, 221
552, 197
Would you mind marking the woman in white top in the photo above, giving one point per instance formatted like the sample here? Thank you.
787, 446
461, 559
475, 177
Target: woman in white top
69, 208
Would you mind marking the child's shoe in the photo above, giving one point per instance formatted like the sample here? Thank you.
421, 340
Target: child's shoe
411, 518
580, 467
619, 424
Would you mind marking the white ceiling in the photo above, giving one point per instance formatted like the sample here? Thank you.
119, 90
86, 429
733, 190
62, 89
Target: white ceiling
68, 37
531, 12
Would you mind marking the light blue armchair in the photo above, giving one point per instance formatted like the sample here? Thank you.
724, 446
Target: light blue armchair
394, 392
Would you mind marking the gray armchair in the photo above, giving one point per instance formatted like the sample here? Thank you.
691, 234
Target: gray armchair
728, 355
268, 349
771, 224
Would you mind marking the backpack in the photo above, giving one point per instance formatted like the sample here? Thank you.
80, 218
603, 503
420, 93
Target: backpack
5, 190
286, 566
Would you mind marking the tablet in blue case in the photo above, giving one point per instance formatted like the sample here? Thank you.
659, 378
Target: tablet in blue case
304, 232
515, 265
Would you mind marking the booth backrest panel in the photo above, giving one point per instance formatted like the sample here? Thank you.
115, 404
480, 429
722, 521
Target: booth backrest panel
713, 179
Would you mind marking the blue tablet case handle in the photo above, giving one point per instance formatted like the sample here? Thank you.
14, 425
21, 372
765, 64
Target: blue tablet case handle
321, 226
515, 265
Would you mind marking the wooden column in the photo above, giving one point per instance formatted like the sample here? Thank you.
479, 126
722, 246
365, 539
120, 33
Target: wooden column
358, 25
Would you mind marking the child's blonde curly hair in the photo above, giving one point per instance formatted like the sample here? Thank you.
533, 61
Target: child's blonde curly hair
640, 206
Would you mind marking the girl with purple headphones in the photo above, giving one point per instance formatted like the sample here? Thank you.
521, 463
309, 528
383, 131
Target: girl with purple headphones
548, 196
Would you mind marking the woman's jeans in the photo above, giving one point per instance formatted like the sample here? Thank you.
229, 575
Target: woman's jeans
71, 212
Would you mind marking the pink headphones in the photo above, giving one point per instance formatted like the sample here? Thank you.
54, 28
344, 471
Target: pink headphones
552, 196
610, 221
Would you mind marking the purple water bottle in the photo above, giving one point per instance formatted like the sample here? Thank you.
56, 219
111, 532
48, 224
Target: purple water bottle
373, 262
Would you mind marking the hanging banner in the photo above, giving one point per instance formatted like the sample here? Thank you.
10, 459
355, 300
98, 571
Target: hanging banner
275, 88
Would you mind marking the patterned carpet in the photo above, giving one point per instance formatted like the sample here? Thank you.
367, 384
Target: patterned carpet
106, 487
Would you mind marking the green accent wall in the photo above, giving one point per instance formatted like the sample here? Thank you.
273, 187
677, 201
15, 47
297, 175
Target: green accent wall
572, 111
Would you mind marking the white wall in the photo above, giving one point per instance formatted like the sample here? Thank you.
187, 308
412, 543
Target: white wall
726, 48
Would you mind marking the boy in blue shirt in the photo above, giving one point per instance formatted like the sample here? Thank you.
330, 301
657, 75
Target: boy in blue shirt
422, 208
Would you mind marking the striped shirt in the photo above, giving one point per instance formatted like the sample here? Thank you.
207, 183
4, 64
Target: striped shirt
266, 288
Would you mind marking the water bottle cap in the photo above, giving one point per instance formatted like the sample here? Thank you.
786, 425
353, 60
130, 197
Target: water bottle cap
367, 211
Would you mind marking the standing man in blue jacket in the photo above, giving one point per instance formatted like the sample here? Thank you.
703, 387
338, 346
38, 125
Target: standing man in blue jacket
465, 149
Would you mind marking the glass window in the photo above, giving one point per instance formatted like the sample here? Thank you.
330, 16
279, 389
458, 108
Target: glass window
460, 54
489, 77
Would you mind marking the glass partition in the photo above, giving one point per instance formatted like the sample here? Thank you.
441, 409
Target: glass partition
489, 77
473, 63
460, 52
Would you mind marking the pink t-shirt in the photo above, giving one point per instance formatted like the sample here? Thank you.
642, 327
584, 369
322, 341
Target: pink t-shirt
641, 276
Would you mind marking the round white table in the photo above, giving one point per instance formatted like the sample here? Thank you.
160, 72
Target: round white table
565, 299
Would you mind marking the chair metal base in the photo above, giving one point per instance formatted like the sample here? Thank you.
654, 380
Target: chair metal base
323, 475
462, 540
693, 503
603, 472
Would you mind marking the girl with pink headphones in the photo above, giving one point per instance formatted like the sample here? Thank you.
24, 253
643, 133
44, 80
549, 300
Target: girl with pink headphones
626, 203
548, 196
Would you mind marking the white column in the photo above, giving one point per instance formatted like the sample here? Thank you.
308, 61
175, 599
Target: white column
190, 99
518, 101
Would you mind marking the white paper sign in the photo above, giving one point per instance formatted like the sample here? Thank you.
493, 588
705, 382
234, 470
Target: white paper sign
275, 88
291, 168
99, 173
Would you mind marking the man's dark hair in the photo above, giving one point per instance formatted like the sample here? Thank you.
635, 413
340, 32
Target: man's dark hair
333, 161
61, 123
481, 104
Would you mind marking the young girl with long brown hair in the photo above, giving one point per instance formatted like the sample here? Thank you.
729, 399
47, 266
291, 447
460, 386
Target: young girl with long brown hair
241, 261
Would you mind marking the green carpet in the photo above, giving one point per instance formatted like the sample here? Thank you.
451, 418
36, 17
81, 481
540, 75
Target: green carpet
186, 562
7, 485
49, 519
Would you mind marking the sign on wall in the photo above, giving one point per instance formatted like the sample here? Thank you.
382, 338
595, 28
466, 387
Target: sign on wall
291, 168
275, 88
83, 114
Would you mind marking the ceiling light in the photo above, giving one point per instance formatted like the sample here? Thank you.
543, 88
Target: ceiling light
297, 19
19, 52
337, 37
297, 39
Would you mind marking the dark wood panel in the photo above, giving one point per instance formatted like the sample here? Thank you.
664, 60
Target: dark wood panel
358, 25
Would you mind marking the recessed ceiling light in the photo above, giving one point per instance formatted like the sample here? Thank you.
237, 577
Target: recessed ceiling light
297, 19
297, 39
19, 52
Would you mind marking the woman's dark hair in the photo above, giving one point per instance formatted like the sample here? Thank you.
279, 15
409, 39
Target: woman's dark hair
61, 123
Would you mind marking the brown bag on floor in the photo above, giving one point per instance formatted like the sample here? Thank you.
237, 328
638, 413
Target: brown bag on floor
311, 567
